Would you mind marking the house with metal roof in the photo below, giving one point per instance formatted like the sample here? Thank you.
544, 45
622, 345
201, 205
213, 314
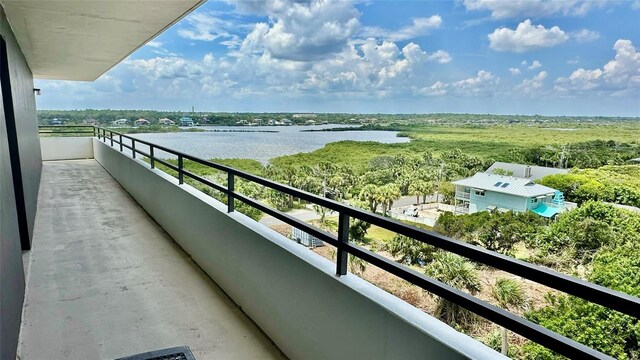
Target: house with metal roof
531, 172
493, 192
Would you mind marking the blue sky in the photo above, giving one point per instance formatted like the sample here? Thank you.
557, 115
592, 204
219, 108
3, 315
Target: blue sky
566, 57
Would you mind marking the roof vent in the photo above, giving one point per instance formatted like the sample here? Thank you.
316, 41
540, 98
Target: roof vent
527, 171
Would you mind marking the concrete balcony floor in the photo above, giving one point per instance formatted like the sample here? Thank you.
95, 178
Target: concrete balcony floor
105, 281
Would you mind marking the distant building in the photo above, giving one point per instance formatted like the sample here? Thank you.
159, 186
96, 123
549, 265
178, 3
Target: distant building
120, 122
295, 116
166, 121
55, 122
186, 121
310, 122
89, 121
492, 192
287, 122
142, 122
530, 172
305, 239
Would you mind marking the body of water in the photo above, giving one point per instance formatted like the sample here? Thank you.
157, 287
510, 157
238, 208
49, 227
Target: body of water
261, 146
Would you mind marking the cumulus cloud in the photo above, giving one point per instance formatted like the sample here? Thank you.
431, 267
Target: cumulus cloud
301, 31
501, 9
514, 71
438, 88
526, 37
419, 27
585, 35
533, 85
483, 83
620, 76
534, 65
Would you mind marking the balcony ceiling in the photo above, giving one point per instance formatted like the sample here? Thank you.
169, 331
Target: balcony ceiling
82, 39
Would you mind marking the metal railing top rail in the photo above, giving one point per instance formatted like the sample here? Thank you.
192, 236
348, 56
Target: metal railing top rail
612, 299
66, 129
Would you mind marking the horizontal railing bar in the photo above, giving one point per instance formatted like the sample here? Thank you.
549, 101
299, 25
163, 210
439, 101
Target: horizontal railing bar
530, 330
205, 181
64, 126
141, 153
297, 223
616, 300
167, 164
65, 132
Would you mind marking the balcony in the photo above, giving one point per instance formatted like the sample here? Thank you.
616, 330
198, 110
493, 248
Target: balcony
105, 281
463, 195
119, 257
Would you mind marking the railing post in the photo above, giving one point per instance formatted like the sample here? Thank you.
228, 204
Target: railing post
104, 136
120, 142
94, 131
152, 160
111, 137
180, 174
230, 190
133, 148
343, 238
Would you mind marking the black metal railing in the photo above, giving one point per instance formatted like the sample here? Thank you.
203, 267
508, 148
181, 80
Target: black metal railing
612, 299
67, 130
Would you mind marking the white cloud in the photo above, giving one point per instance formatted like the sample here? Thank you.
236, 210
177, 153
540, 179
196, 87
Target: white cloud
419, 27
533, 85
440, 56
573, 61
438, 88
526, 37
514, 71
210, 26
503, 9
619, 76
534, 65
483, 83
635, 5
585, 35
301, 31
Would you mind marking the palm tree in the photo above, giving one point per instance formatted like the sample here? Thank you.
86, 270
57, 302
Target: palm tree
369, 194
509, 295
460, 273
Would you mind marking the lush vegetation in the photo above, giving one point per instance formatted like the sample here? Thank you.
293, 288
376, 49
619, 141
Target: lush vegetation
616, 184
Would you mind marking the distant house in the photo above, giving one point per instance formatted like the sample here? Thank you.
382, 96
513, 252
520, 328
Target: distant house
287, 122
89, 121
492, 192
186, 121
120, 122
530, 172
310, 122
55, 122
166, 121
142, 122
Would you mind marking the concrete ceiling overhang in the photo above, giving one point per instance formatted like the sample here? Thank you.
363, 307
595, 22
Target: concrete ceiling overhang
82, 39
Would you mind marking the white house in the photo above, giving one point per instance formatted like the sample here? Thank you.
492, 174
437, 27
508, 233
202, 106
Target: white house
492, 192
